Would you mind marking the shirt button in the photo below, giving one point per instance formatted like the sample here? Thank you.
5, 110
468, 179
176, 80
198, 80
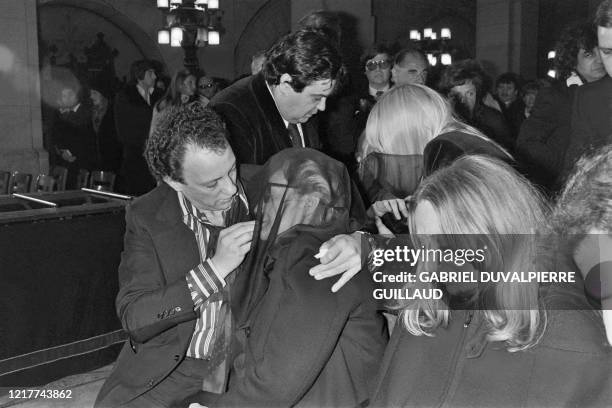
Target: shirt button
178, 309
177, 357
151, 383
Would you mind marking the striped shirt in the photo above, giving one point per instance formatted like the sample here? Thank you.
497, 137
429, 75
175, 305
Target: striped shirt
204, 282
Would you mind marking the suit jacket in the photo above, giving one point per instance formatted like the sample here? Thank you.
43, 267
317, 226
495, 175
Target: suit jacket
256, 128
591, 120
132, 120
304, 345
154, 303
544, 135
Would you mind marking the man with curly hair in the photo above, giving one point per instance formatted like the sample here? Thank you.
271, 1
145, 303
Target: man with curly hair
592, 109
544, 136
178, 277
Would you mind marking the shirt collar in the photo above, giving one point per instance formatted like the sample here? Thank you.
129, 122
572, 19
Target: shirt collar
574, 79
275, 104
373, 91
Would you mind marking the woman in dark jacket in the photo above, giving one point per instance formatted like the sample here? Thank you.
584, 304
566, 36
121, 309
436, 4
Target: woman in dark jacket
484, 344
299, 343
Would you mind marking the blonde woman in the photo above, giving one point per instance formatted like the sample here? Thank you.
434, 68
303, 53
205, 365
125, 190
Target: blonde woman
491, 344
400, 126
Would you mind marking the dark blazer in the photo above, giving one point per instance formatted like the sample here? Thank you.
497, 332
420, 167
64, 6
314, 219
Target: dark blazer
256, 128
304, 345
132, 120
544, 135
154, 303
591, 120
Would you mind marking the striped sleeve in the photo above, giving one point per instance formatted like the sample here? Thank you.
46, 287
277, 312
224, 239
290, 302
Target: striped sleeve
203, 281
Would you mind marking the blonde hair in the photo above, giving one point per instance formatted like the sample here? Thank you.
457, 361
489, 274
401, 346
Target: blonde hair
404, 120
485, 197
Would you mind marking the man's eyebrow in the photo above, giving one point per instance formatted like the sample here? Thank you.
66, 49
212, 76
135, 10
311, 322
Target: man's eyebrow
218, 178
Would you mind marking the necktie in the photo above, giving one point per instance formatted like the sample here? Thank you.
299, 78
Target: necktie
294, 135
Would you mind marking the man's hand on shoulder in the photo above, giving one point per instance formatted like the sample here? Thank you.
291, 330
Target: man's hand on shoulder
339, 255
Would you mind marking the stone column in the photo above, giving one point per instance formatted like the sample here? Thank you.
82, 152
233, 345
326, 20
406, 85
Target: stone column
21, 144
507, 36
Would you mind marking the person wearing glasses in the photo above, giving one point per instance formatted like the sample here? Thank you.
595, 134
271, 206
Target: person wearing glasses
377, 68
409, 67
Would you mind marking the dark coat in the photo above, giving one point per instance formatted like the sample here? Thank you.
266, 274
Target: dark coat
591, 120
305, 346
73, 131
571, 366
544, 135
256, 128
493, 124
154, 303
132, 120
108, 148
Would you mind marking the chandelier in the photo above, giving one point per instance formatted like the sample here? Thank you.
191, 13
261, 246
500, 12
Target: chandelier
190, 24
437, 49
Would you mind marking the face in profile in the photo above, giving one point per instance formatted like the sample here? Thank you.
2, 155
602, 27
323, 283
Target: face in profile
209, 178
298, 107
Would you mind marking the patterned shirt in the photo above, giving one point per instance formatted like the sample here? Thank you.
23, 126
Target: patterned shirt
204, 281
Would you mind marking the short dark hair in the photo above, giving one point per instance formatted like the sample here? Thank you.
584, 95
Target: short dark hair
462, 72
603, 16
139, 68
306, 55
373, 51
509, 78
578, 36
399, 57
179, 127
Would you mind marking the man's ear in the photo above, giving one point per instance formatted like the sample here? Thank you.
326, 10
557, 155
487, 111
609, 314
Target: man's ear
176, 186
285, 83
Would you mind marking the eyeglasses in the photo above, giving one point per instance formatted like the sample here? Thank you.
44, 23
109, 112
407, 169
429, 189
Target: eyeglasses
209, 85
381, 64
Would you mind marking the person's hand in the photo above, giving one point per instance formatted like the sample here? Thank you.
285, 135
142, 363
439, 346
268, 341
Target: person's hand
341, 255
68, 156
397, 206
382, 228
233, 244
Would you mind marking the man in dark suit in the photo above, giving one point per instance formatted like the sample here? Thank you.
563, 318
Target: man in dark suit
133, 109
544, 137
592, 109
183, 245
274, 109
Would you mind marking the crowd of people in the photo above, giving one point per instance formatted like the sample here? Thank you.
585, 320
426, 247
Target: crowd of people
246, 278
